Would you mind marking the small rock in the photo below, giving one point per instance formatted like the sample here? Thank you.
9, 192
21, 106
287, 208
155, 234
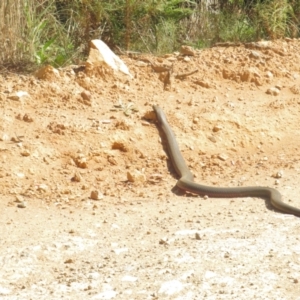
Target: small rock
187, 59
171, 287
96, 195
81, 162
217, 128
120, 146
278, 174
4, 291
42, 187
226, 255
273, 91
129, 278
118, 251
25, 152
18, 96
105, 121
136, 176
27, 118
19, 199
212, 139
21, 205
69, 261
163, 241
4, 137
203, 83
86, 95
187, 50
255, 54
197, 236
140, 63
269, 75
196, 120
222, 156
77, 177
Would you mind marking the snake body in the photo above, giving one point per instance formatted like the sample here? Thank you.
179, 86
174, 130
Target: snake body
186, 180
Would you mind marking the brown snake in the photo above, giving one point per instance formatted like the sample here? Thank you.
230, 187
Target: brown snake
186, 180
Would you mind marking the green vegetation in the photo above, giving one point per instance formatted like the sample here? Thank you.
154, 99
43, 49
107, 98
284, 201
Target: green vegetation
35, 32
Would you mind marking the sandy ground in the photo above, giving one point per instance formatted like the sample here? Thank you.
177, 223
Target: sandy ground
83, 132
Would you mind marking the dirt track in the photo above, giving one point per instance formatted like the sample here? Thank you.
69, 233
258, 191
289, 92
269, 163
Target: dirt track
75, 133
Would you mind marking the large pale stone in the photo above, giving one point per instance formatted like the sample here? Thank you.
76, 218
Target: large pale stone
101, 54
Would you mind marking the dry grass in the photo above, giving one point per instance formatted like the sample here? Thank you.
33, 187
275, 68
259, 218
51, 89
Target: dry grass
12, 25
37, 32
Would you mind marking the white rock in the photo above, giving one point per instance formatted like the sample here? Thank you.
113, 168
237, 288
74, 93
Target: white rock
171, 287
209, 274
4, 137
4, 291
105, 295
18, 96
129, 278
120, 250
108, 57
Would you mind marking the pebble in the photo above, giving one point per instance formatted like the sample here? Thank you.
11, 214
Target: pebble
273, 91
136, 176
4, 137
86, 95
42, 187
77, 177
25, 152
18, 96
120, 250
4, 291
19, 199
255, 54
171, 287
21, 205
269, 75
278, 175
217, 128
212, 139
222, 156
81, 162
187, 50
96, 195
129, 278
196, 120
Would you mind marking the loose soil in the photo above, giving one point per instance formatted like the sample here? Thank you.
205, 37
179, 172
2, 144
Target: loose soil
80, 134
